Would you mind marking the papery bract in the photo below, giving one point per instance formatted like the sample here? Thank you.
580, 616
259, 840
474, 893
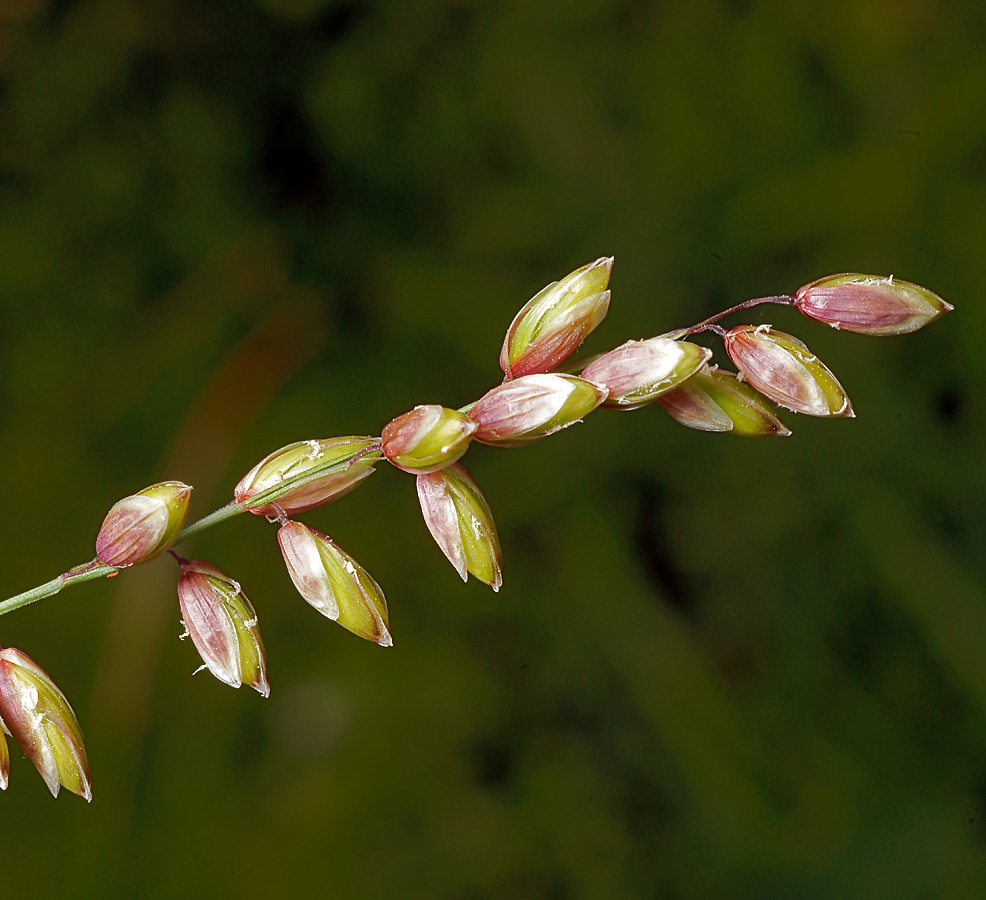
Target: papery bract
142, 526
784, 370
334, 583
460, 521
302, 457
714, 400
555, 321
41, 720
222, 624
870, 305
532, 407
427, 438
638, 372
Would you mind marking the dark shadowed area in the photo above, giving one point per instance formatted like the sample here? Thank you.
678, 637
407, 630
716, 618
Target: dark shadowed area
718, 667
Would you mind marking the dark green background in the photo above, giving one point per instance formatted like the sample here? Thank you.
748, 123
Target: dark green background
717, 668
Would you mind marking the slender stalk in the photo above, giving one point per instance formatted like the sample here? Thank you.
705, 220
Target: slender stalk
96, 569
708, 326
214, 518
680, 333
85, 572
780, 299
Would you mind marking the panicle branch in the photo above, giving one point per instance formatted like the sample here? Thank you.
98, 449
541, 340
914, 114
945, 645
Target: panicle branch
534, 401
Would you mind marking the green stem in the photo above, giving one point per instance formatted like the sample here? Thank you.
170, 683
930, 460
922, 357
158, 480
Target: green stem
96, 569
85, 572
781, 300
214, 518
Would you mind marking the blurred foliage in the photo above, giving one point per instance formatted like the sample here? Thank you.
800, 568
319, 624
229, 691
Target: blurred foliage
717, 668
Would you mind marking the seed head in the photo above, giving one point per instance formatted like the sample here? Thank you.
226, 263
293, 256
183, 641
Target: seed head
460, 521
222, 624
143, 525
639, 372
870, 305
714, 400
427, 438
555, 321
532, 407
334, 583
784, 370
36, 713
294, 460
